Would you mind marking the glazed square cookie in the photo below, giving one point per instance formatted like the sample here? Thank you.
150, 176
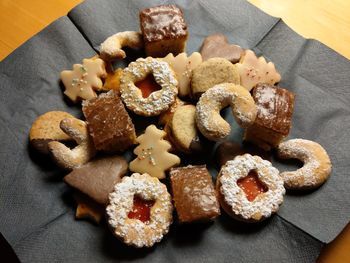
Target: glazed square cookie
164, 30
109, 123
274, 118
194, 194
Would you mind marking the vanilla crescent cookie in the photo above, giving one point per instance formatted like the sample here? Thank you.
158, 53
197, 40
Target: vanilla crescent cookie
71, 158
317, 164
208, 118
158, 101
233, 197
139, 231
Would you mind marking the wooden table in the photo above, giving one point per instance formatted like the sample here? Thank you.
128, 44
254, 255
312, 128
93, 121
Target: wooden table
325, 20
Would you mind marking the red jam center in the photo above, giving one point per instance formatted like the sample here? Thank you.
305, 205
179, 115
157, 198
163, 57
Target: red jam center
251, 185
148, 85
141, 209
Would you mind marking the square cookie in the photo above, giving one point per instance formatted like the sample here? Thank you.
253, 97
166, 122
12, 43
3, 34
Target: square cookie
164, 30
109, 123
274, 119
194, 194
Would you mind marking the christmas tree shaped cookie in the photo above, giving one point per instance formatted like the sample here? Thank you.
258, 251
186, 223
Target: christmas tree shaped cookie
152, 154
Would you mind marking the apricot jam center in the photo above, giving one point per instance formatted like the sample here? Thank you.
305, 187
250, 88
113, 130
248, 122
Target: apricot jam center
251, 185
148, 85
141, 209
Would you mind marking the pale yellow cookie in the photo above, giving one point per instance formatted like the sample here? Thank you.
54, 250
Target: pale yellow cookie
183, 66
253, 70
83, 80
152, 154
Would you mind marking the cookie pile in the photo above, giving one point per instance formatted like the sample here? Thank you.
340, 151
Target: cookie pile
186, 93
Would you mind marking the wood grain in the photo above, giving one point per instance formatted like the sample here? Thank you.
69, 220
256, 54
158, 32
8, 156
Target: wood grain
325, 20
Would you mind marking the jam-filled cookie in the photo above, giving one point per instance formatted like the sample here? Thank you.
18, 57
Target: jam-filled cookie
148, 86
250, 188
317, 164
140, 210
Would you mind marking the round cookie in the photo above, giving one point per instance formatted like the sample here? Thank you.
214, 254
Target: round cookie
46, 128
157, 101
134, 226
243, 201
212, 72
317, 164
183, 129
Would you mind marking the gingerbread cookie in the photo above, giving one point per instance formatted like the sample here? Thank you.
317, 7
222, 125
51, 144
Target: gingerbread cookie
97, 177
152, 154
111, 48
46, 128
217, 46
183, 67
212, 72
253, 70
84, 80
70, 158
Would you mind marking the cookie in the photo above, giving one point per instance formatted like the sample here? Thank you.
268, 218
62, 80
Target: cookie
112, 81
249, 188
217, 46
274, 116
88, 209
164, 30
111, 48
109, 123
208, 118
194, 194
183, 67
68, 158
212, 72
254, 70
148, 86
97, 177
84, 80
46, 128
316, 168
152, 154
140, 210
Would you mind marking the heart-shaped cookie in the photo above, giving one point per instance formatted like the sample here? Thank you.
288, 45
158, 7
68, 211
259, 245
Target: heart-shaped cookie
216, 45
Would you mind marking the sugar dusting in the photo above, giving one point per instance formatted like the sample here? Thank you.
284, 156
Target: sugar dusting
133, 231
265, 203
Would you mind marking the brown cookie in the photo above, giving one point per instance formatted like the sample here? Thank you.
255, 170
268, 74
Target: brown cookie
216, 45
46, 128
97, 178
88, 209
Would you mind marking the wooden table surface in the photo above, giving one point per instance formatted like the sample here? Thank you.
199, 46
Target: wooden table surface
325, 20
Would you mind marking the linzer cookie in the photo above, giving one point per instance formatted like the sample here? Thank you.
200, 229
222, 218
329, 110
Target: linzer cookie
164, 30
83, 80
194, 194
250, 188
183, 67
46, 128
140, 210
152, 154
109, 123
217, 46
97, 177
212, 72
274, 116
316, 168
148, 86
253, 70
